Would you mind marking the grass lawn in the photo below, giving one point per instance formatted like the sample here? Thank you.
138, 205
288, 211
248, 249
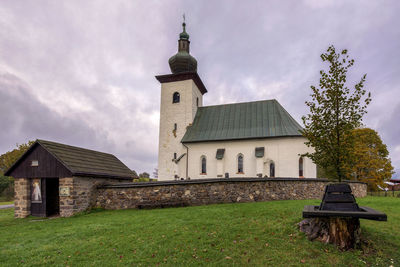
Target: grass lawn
262, 233
6, 202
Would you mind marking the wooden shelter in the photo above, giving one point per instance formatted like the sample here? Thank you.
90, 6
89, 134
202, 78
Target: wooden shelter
53, 178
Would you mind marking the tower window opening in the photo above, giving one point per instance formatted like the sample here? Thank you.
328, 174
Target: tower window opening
176, 98
175, 155
197, 101
175, 126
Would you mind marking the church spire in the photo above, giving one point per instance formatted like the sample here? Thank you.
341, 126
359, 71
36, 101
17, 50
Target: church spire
183, 61
184, 35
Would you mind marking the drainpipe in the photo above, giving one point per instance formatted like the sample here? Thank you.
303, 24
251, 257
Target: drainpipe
187, 159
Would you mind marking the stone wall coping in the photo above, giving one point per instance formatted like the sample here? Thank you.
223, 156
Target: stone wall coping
217, 180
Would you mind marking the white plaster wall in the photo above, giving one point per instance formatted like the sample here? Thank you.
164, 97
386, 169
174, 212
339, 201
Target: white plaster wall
181, 113
283, 151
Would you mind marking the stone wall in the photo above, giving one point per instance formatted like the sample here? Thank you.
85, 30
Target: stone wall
82, 193
212, 191
22, 200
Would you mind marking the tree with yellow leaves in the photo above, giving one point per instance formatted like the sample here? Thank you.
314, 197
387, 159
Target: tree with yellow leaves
369, 159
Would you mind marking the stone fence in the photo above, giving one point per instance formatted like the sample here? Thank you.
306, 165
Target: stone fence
212, 191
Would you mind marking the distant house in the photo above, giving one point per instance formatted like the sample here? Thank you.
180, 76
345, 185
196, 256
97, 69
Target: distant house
253, 139
394, 184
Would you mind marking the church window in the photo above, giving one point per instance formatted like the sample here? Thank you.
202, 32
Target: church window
197, 101
176, 98
174, 155
272, 170
301, 167
240, 163
203, 165
175, 126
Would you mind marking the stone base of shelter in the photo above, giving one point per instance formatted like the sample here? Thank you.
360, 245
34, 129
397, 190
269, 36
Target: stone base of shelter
79, 194
22, 198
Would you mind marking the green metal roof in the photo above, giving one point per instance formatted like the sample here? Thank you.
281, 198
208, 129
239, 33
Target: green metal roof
259, 119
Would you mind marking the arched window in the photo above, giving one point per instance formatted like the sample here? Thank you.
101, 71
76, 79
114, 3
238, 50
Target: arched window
176, 97
240, 163
203, 165
272, 170
301, 167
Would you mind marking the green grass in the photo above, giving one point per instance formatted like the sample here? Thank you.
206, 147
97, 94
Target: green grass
383, 193
262, 233
6, 202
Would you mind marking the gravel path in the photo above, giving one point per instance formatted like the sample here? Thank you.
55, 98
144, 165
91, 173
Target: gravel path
6, 206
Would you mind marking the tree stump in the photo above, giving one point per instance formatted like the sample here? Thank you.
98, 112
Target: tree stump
343, 232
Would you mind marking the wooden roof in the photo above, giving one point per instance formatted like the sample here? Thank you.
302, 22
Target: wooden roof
78, 161
183, 76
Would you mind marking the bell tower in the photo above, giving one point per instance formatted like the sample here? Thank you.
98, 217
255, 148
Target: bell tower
181, 95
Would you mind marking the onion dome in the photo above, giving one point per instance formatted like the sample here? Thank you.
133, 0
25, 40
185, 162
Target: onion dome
183, 61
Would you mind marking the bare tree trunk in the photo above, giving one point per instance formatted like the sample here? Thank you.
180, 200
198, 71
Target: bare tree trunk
343, 232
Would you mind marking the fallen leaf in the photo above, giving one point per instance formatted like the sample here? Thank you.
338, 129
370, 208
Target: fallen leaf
303, 261
266, 244
228, 258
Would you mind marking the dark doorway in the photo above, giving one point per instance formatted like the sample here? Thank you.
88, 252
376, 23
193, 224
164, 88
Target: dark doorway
52, 197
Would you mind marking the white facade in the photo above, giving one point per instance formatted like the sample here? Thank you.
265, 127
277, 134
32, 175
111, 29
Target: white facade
174, 157
181, 114
284, 152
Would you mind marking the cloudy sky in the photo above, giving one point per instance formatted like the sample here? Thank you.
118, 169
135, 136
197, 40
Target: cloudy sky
82, 72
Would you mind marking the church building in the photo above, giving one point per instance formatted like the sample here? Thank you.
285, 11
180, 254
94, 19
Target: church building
252, 139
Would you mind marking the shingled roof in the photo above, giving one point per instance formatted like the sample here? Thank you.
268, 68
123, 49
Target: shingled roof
250, 120
83, 162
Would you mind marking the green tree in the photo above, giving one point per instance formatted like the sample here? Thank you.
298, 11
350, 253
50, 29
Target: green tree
335, 110
10, 157
6, 161
144, 175
369, 159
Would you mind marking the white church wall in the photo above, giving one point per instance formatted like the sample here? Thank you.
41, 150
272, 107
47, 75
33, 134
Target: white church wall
182, 114
284, 152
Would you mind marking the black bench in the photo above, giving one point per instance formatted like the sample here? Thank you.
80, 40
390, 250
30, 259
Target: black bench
337, 219
338, 201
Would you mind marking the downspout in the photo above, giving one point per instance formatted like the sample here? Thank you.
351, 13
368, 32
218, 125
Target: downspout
187, 159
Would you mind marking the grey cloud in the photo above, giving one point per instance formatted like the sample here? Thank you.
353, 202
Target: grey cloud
91, 64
